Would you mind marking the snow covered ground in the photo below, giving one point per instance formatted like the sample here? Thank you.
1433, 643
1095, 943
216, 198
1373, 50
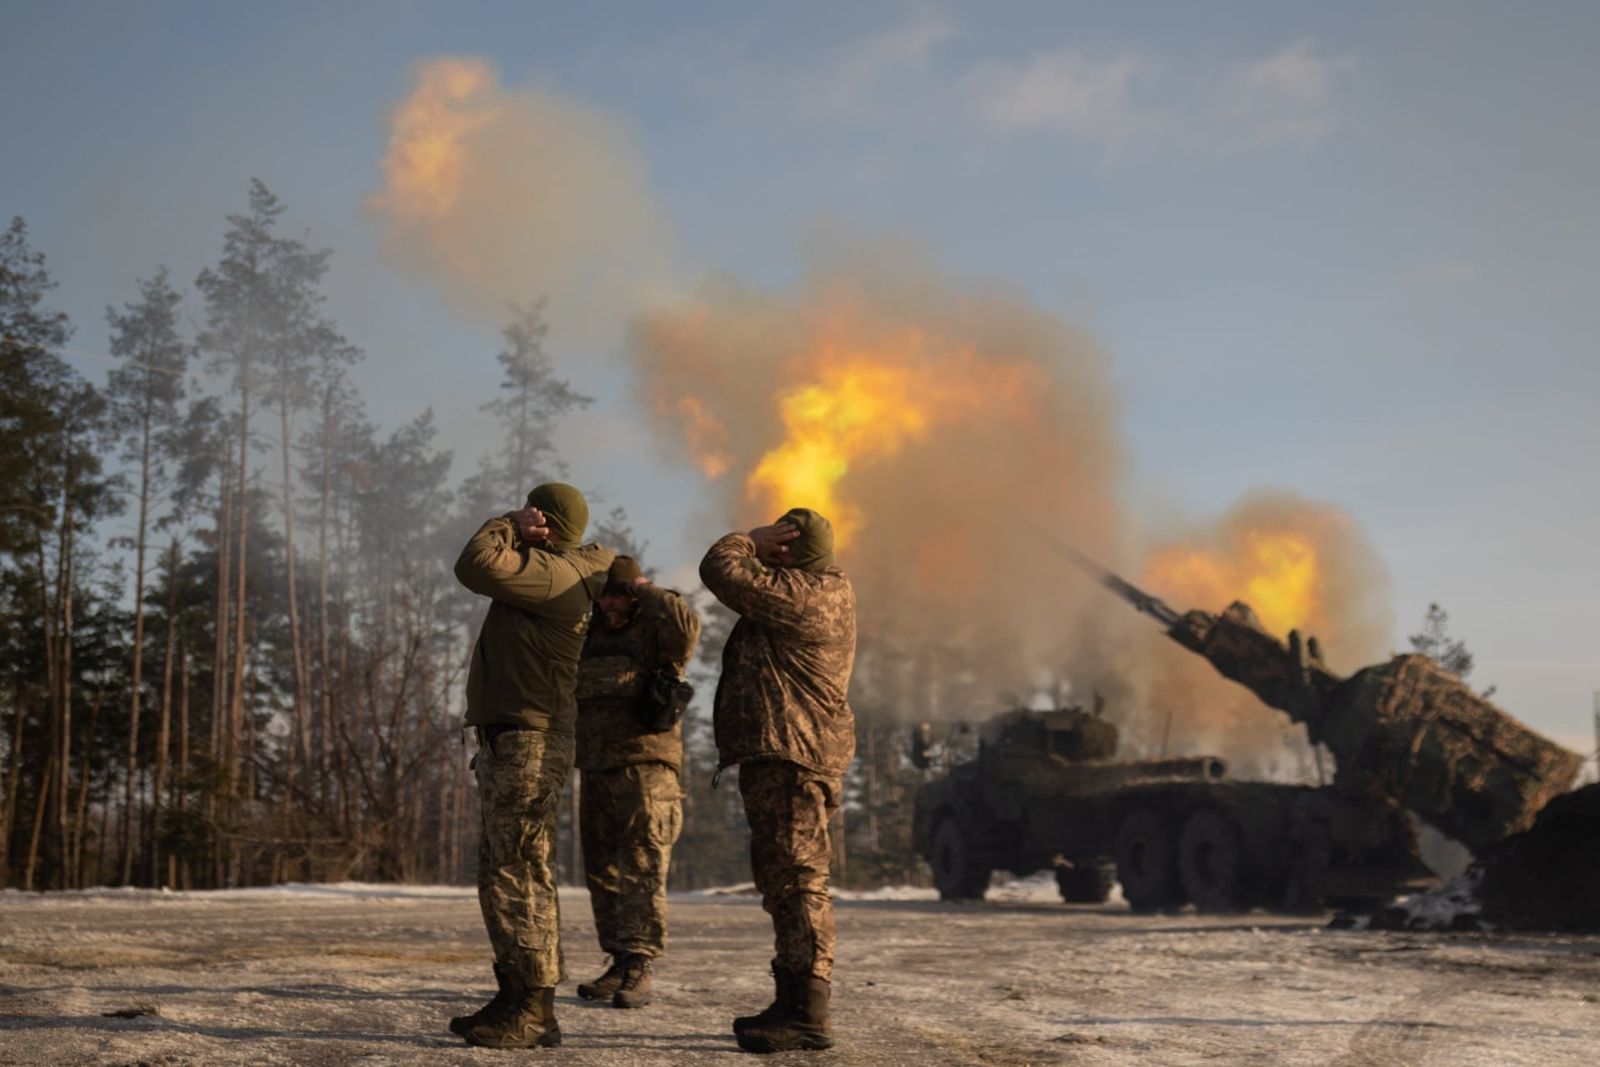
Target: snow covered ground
369, 974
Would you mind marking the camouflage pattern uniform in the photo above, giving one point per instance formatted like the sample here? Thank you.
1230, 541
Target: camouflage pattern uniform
782, 716
630, 803
520, 777
789, 810
521, 697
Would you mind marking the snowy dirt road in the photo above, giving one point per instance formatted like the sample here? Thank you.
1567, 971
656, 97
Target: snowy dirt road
370, 976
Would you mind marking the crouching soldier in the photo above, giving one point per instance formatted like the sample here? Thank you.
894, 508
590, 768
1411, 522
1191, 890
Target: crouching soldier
631, 698
521, 685
782, 717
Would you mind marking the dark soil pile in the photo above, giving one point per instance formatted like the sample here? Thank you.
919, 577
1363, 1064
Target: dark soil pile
1544, 879
1548, 878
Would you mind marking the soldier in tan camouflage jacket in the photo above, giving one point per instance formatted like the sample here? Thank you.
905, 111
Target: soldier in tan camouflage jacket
630, 805
782, 716
520, 697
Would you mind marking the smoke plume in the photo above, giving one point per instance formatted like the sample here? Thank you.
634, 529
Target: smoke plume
940, 426
502, 196
1301, 565
950, 430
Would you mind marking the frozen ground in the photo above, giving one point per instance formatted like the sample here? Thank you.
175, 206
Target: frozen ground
369, 975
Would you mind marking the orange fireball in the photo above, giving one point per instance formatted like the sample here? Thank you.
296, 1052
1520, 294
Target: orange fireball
1277, 572
868, 398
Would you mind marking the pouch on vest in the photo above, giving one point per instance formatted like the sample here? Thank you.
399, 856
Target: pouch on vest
664, 700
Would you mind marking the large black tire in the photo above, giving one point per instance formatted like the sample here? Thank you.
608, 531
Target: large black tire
1211, 863
1147, 863
1312, 851
1088, 883
957, 873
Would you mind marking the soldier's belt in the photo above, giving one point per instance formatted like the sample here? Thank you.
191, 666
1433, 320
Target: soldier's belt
487, 734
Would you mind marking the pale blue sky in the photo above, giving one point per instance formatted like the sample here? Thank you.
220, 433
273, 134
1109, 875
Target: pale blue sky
1352, 250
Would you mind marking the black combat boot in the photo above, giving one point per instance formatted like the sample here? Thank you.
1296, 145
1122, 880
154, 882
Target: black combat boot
804, 1027
462, 1023
606, 985
782, 980
634, 992
526, 1019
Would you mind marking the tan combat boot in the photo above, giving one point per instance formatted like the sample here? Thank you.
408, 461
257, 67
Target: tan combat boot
606, 985
462, 1023
527, 1019
634, 992
803, 1027
782, 980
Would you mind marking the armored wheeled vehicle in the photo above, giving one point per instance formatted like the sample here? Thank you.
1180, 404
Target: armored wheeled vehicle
1046, 792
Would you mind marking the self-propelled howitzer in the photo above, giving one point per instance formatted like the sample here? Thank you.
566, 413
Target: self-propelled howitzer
1406, 730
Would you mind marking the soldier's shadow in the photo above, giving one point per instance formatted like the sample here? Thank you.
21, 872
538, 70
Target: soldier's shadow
676, 1042
713, 1042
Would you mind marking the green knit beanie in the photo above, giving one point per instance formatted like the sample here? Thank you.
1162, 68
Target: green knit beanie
620, 578
565, 512
812, 551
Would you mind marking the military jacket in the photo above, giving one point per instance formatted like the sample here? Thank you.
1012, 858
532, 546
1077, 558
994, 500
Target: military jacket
524, 669
611, 680
786, 665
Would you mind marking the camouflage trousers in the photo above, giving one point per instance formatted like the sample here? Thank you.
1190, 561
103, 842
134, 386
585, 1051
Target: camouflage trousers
520, 777
629, 818
789, 809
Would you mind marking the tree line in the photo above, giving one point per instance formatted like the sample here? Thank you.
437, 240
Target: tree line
232, 650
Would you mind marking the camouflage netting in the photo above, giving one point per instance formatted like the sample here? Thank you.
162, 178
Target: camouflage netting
1404, 730
1546, 879
1407, 729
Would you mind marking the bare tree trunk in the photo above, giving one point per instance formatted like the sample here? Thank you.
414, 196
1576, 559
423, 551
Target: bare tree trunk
344, 753
136, 690
872, 789
180, 796
325, 732
79, 823
13, 776
163, 737
241, 567
103, 838
219, 750
38, 822
252, 681
49, 797
299, 753
66, 571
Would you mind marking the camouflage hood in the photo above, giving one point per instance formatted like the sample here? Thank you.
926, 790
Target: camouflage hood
786, 665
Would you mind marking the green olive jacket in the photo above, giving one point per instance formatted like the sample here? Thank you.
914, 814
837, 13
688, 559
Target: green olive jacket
524, 669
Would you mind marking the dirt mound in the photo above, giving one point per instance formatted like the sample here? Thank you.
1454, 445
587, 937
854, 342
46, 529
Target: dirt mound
1544, 879
1548, 878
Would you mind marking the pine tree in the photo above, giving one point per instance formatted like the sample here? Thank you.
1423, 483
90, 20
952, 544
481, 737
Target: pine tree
145, 393
52, 428
1435, 642
533, 399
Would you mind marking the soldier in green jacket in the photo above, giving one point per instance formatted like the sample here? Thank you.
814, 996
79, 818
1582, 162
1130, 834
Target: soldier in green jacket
630, 747
521, 698
781, 714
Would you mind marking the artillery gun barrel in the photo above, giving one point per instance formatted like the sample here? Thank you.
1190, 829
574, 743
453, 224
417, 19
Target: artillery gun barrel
1143, 602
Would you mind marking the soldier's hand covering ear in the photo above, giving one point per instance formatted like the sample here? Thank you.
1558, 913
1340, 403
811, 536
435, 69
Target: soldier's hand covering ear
772, 542
531, 524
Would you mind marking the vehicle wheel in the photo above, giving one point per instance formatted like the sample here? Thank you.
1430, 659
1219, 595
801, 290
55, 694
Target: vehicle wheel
1312, 847
1089, 883
1211, 863
1147, 863
957, 874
